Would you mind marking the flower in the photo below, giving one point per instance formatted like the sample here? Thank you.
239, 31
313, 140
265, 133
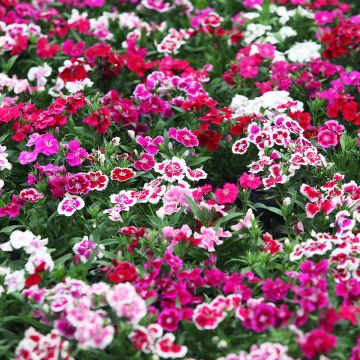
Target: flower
208, 237
169, 319
75, 153
85, 248
250, 181
150, 145
122, 174
145, 163
70, 204
327, 138
227, 195
305, 51
316, 342
122, 272
183, 136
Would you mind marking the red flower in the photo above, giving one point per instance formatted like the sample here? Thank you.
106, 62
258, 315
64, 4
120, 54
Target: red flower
209, 139
45, 50
122, 174
122, 272
32, 280
73, 73
100, 120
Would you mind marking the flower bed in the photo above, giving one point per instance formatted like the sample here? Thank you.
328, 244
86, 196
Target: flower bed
178, 179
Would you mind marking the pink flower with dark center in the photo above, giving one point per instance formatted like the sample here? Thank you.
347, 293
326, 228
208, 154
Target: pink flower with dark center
169, 319
172, 170
207, 317
77, 184
31, 195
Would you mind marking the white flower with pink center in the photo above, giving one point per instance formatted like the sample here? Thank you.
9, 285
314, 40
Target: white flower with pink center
69, 204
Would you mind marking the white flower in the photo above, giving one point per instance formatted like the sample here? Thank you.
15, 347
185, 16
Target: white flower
4, 162
35, 260
39, 73
287, 31
302, 52
15, 281
20, 239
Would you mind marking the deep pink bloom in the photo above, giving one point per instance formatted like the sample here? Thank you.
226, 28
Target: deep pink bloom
250, 181
72, 49
183, 136
169, 319
327, 138
75, 154
149, 144
227, 195
46, 144
12, 209
317, 342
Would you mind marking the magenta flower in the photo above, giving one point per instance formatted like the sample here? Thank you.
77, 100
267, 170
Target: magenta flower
75, 154
27, 157
169, 319
46, 144
227, 195
250, 181
13, 208
183, 136
150, 145
327, 138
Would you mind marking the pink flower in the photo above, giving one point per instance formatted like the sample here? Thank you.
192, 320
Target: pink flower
72, 49
27, 157
13, 208
31, 195
75, 154
252, 3
317, 342
244, 223
172, 170
250, 181
274, 290
169, 319
249, 66
183, 136
166, 348
46, 144
150, 145
208, 237
77, 184
327, 138
227, 195
145, 163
